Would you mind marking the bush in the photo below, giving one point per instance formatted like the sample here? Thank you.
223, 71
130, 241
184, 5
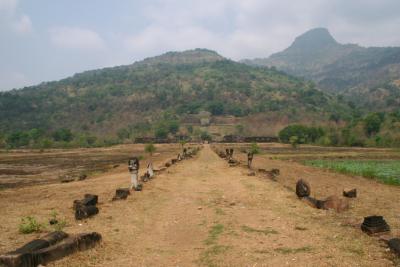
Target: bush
372, 123
30, 225
58, 224
150, 148
205, 136
255, 149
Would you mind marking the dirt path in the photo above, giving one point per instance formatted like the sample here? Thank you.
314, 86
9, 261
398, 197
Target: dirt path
203, 213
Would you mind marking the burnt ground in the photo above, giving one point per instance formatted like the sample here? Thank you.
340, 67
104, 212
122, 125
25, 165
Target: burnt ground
33, 167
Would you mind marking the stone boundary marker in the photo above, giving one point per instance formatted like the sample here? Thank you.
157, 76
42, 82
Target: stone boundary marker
86, 207
50, 247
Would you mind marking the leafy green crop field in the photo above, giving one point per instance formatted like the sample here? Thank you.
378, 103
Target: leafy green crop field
387, 171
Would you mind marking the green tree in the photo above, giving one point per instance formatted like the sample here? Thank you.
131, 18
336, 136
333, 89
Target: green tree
205, 136
17, 139
35, 134
304, 134
150, 148
254, 148
294, 141
173, 126
123, 134
372, 123
216, 108
183, 143
161, 131
63, 134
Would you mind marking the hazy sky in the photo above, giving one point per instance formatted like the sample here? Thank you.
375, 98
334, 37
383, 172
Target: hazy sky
42, 40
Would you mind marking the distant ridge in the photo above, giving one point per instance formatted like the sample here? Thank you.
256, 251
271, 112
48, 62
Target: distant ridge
367, 76
198, 55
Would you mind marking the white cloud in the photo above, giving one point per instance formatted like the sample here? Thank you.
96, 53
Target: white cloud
10, 19
23, 24
76, 38
8, 6
257, 28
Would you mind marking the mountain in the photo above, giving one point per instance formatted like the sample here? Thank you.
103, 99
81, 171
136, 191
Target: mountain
177, 86
367, 76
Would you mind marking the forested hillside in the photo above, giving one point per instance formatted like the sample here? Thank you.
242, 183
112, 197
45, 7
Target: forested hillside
161, 92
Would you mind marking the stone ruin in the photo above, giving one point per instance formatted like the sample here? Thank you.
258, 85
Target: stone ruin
121, 193
221, 154
394, 245
48, 248
250, 157
272, 174
374, 225
350, 193
86, 207
303, 188
303, 191
149, 174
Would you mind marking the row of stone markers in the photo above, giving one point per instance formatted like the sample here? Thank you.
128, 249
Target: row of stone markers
373, 225
228, 156
58, 244
137, 185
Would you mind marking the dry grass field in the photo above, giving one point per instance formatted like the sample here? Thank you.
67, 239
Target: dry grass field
201, 212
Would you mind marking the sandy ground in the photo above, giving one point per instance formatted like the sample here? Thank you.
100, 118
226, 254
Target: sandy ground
201, 212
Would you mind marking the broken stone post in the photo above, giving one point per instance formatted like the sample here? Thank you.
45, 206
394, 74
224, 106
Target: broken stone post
374, 224
303, 188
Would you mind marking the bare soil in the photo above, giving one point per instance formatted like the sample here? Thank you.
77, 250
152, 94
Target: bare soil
201, 212
32, 167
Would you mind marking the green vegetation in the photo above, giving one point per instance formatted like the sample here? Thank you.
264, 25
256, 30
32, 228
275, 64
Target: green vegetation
61, 138
205, 136
387, 171
267, 231
303, 134
213, 249
58, 223
254, 148
150, 99
285, 250
30, 225
207, 257
380, 129
150, 148
294, 141
153, 97
214, 233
